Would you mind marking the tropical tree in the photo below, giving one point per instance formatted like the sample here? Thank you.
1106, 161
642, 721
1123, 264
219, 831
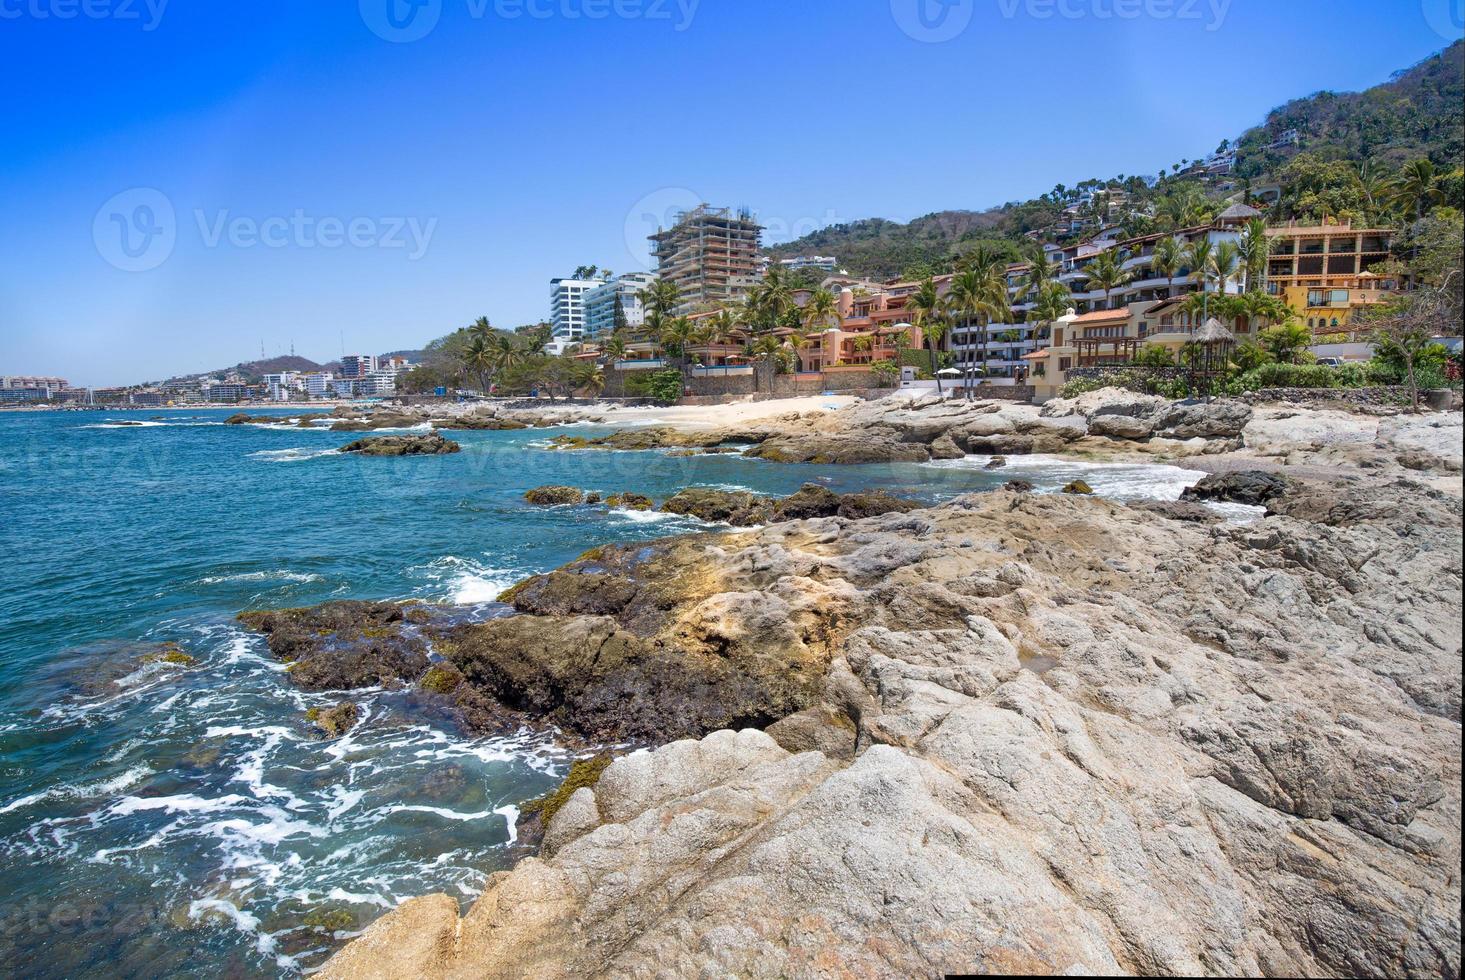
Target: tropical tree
614, 348
775, 296
1041, 271
1053, 302
509, 353
1285, 342
1107, 272
594, 383
478, 361
979, 294
1166, 261
1416, 189
722, 327
1253, 250
675, 336
1224, 265
930, 318
821, 308
660, 300
481, 329
1250, 355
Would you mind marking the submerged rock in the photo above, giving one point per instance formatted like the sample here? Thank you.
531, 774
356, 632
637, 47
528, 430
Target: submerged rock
630, 501
334, 722
424, 445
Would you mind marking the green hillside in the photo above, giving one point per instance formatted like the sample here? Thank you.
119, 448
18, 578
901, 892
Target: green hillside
1417, 113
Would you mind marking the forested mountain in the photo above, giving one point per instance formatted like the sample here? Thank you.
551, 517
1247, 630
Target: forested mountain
1312, 146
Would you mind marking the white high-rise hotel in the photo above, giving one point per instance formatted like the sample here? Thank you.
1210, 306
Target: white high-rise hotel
567, 308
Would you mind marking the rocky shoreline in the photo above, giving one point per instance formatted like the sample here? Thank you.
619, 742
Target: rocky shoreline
1014, 732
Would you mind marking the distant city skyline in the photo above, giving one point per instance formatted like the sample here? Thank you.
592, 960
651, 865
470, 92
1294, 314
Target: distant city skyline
184, 182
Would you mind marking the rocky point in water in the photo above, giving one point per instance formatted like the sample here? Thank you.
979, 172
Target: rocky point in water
1014, 732
1115, 727
425, 445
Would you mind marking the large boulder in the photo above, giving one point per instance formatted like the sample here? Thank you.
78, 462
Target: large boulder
840, 449
1255, 487
1191, 420
1105, 401
1120, 427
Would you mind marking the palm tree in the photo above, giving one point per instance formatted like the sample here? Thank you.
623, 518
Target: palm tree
720, 328
675, 336
1052, 303
1041, 271
765, 347
506, 353
595, 382
1166, 261
1373, 185
1224, 265
1416, 188
1253, 250
775, 295
478, 360
660, 300
614, 349
481, 328
820, 309
930, 307
1108, 273
979, 293
1197, 259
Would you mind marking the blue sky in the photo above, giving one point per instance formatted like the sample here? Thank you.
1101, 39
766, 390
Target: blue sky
335, 181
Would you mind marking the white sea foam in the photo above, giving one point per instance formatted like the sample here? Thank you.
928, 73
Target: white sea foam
511, 817
464, 581
1119, 481
279, 575
103, 787
292, 455
123, 424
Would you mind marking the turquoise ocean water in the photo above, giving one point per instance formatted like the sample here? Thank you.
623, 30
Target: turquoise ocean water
156, 820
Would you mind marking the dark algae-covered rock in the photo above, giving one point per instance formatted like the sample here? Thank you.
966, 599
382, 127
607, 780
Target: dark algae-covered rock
424, 445
629, 501
1078, 487
345, 645
334, 722
737, 507
553, 496
1255, 487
